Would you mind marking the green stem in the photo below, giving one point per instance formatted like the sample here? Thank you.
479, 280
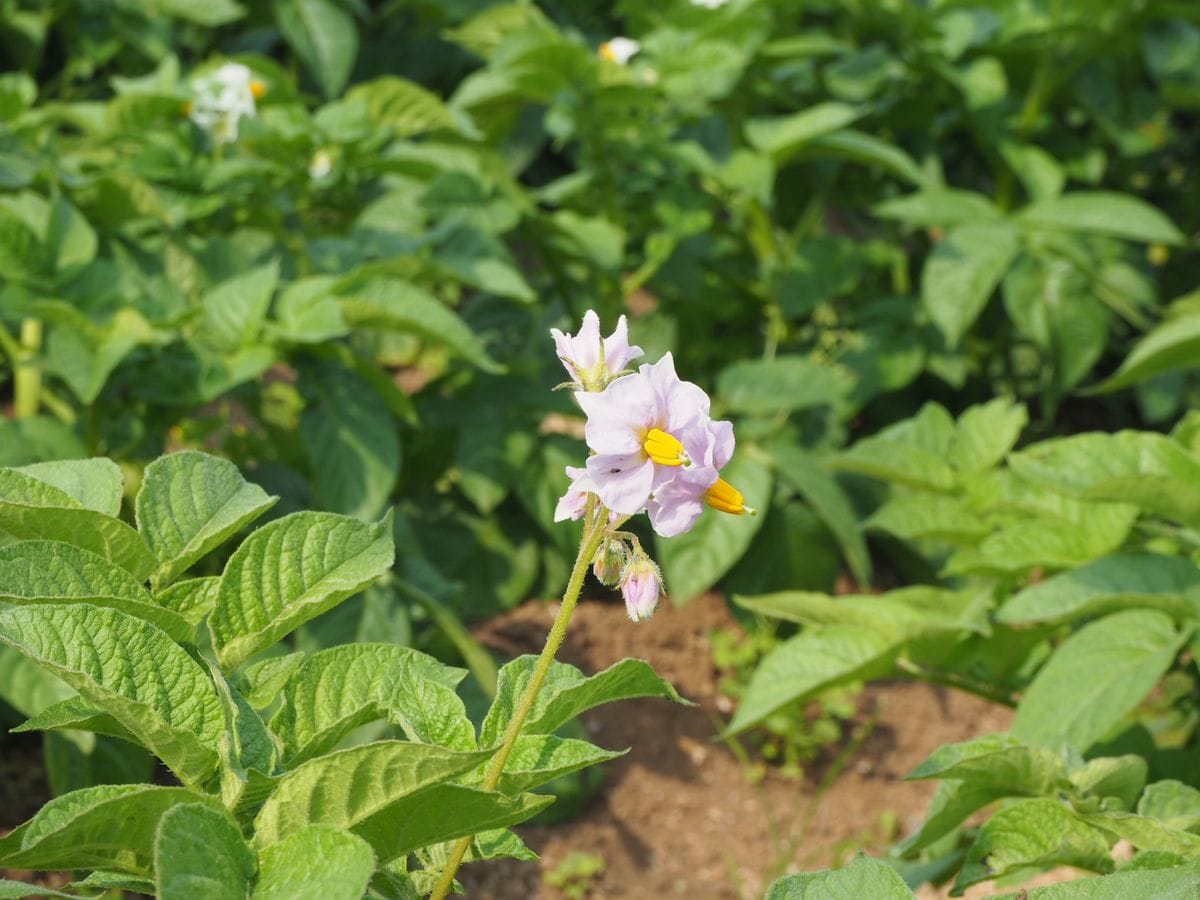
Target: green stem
27, 377
592, 537
959, 684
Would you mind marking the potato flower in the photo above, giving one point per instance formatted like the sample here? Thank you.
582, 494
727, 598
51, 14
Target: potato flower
592, 361
620, 50
221, 98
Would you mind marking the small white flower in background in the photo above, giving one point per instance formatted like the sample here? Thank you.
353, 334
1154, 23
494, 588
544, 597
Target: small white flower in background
619, 50
221, 98
709, 4
321, 165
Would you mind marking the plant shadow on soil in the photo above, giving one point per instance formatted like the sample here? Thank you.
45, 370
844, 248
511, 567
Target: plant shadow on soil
677, 815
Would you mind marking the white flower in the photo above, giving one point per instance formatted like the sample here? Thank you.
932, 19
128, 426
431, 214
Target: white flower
321, 165
709, 4
619, 50
222, 97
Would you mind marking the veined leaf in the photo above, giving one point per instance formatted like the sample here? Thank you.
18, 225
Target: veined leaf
951, 804
193, 599
290, 571
963, 271
782, 136
1173, 803
1177, 883
997, 760
93, 483
31, 509
566, 693
539, 758
809, 663
1146, 834
55, 572
131, 670
199, 854
1103, 212
319, 862
1098, 675
189, 504
337, 690
325, 38
863, 877
939, 208
110, 826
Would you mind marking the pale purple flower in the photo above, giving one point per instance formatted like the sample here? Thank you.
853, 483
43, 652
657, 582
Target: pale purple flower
573, 504
640, 586
592, 362
675, 505
647, 429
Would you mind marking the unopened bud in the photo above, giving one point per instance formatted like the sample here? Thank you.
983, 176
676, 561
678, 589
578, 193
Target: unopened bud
640, 586
609, 562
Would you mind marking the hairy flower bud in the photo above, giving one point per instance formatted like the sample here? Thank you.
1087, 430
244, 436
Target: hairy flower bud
609, 562
640, 586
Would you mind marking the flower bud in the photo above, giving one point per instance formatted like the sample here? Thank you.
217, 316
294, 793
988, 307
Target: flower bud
640, 586
609, 562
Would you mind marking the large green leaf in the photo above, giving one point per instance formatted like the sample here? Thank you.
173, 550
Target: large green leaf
1146, 834
1103, 212
94, 483
1173, 345
1174, 803
234, 311
566, 693
999, 761
809, 663
199, 854
939, 208
131, 670
951, 804
352, 442
108, 826
871, 151
31, 509
986, 433
189, 504
963, 271
1179, 883
336, 690
1168, 583
821, 491
696, 559
1037, 833
290, 571
1138, 467
782, 136
319, 862
775, 386
1098, 675
55, 572
539, 758
914, 452
325, 38
862, 878
403, 107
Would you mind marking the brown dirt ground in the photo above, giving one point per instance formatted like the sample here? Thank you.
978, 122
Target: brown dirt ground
678, 815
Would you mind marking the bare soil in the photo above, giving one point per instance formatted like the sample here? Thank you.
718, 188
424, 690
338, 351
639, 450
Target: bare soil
679, 815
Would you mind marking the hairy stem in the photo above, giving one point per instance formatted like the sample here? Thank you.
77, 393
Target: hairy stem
592, 536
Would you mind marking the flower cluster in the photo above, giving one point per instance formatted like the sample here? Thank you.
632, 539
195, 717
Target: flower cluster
221, 98
654, 447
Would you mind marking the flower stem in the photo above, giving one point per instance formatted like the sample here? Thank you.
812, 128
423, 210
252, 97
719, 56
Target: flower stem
27, 376
592, 536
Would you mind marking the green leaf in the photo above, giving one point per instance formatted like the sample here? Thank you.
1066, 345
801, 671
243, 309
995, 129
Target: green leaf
261, 682
1118, 777
1098, 675
108, 826
963, 271
862, 878
131, 670
1180, 883
336, 690
210, 13
772, 387
914, 452
318, 862
403, 107
913, 516
540, 758
998, 761
189, 504
782, 136
1147, 835
824, 495
811, 662
307, 311
349, 787
939, 208
1036, 833
325, 38
951, 804
199, 854
77, 714
869, 150
193, 599
697, 559
31, 509
401, 306
1103, 212
54, 572
1167, 583
234, 311
1174, 803
906, 613
290, 571
566, 693
94, 483
1173, 345
14, 890
986, 433
482, 260
1139, 467
351, 440
26, 686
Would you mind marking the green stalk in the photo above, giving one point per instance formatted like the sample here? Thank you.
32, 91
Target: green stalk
27, 377
592, 536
